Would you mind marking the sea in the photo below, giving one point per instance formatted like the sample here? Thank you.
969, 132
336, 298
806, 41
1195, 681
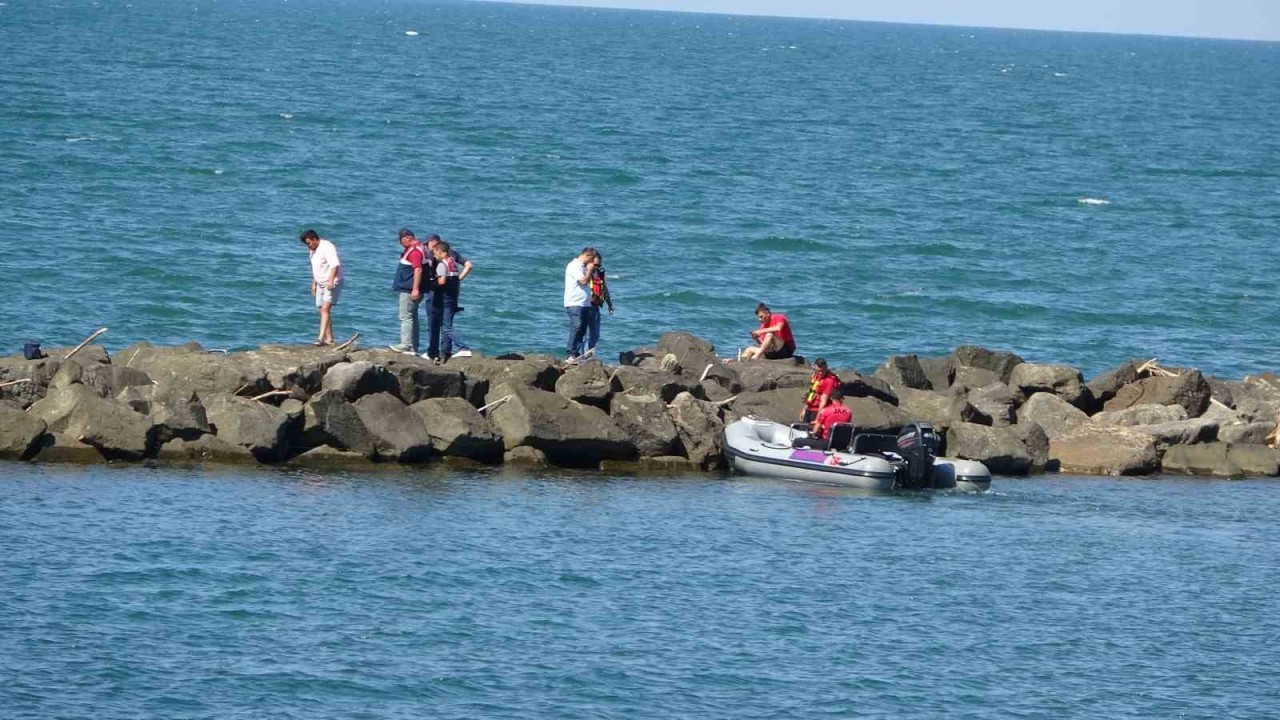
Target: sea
1075, 198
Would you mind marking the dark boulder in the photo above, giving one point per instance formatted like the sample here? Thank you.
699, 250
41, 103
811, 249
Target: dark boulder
78, 413
697, 358
354, 380
1001, 449
457, 429
904, 371
536, 371
20, 433
999, 362
1188, 390
939, 371
1105, 386
644, 418
569, 433
1064, 381
589, 384
700, 427
417, 378
398, 433
1054, 415
1093, 449
1141, 415
329, 419
255, 426
665, 385
761, 375
994, 404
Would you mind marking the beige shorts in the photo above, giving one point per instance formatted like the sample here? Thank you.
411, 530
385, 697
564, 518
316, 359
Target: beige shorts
325, 296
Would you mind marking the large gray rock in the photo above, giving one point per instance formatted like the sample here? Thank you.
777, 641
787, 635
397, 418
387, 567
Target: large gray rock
701, 430
300, 368
1181, 432
969, 378
696, 358
1245, 433
645, 420
761, 375
1001, 449
536, 371
995, 402
1036, 442
1093, 449
1105, 386
782, 405
186, 369
78, 413
938, 409
324, 456
204, 448
105, 380
590, 384
1188, 390
39, 372
20, 433
329, 419
569, 433
1055, 416
665, 385
178, 415
59, 448
457, 429
1223, 460
417, 378
855, 384
1141, 415
398, 433
904, 371
354, 380
939, 371
874, 415
1064, 381
255, 426
998, 362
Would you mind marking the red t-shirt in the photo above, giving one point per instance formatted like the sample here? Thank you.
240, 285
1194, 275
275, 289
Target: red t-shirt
830, 415
825, 386
784, 333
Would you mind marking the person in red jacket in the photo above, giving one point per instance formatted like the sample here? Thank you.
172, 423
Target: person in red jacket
773, 337
822, 383
834, 412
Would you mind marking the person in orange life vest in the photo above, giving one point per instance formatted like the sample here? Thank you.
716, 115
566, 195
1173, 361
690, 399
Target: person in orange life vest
774, 336
834, 412
821, 384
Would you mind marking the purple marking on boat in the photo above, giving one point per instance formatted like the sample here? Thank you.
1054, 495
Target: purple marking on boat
816, 456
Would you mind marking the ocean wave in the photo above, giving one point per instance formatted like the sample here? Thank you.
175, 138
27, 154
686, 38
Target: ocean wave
680, 297
1092, 201
411, 33
78, 139
779, 243
934, 249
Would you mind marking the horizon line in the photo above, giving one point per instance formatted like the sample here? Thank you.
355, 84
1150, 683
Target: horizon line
586, 5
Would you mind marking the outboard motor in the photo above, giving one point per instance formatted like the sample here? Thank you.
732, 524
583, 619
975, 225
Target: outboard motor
918, 444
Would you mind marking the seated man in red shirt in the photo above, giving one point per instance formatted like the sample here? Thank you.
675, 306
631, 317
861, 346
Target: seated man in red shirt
774, 336
834, 412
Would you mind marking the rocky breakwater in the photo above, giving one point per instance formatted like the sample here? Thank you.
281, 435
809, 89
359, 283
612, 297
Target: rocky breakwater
663, 406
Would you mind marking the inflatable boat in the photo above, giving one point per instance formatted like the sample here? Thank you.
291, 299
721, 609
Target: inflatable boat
871, 461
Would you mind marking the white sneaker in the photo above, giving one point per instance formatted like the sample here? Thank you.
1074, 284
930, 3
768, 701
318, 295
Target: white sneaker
462, 353
400, 349
571, 360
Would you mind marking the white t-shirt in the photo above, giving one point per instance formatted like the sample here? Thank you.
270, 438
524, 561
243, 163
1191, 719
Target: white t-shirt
323, 260
575, 295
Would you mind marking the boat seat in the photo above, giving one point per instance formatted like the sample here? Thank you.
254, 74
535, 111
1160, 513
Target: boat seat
841, 437
872, 443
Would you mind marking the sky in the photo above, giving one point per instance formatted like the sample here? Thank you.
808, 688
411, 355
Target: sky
1242, 19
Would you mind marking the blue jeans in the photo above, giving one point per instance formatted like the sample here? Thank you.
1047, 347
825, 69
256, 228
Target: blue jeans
442, 312
593, 328
579, 321
409, 332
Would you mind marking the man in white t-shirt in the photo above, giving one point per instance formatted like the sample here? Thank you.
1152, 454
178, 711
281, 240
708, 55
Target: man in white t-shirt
577, 300
326, 281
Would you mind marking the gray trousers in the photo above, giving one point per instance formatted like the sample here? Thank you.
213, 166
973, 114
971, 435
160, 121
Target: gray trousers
409, 332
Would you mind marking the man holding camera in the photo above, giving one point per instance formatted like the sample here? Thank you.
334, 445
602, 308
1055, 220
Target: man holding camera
577, 300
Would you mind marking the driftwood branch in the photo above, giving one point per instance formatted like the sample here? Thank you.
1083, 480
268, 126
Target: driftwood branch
14, 382
495, 403
705, 371
1152, 367
273, 393
87, 340
725, 401
349, 342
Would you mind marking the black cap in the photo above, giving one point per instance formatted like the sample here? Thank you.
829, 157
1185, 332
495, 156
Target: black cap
406, 232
